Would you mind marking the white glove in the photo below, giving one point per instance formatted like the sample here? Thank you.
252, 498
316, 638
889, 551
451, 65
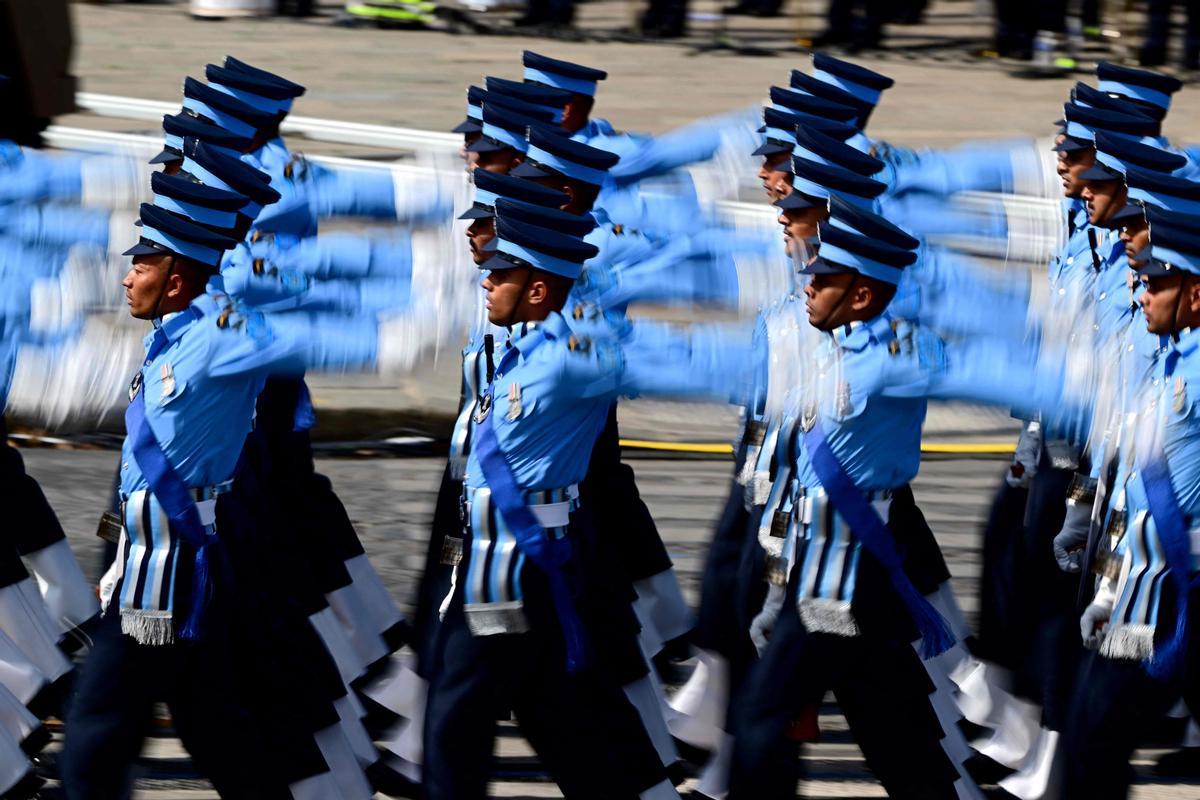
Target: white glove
1025, 459
764, 622
1070, 545
1093, 625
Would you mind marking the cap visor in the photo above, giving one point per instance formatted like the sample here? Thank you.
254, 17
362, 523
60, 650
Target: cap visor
1100, 173
467, 126
140, 249
1130, 211
770, 149
795, 200
1156, 269
1071, 144
496, 263
165, 157
527, 170
474, 212
820, 266
485, 145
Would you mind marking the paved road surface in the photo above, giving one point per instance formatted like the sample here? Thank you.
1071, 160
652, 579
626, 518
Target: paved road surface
390, 501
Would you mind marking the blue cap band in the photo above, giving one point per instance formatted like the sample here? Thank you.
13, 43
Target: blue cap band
475, 112
859, 263
251, 208
576, 85
1183, 261
197, 252
265, 104
860, 142
1112, 162
198, 213
226, 121
558, 266
779, 135
1144, 93
173, 141
865, 93
504, 136
1162, 200
569, 168
1079, 131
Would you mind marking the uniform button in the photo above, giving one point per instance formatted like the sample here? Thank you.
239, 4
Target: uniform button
1095, 327
1070, 260
125, 465
1103, 295
1062, 291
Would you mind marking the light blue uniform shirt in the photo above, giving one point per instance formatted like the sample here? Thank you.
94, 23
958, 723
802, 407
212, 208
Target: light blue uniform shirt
201, 388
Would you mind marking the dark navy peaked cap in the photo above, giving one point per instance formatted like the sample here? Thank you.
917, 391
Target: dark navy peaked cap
265, 95
827, 91
574, 78
579, 225
1154, 88
1115, 155
1172, 219
483, 97
166, 232
491, 186
1172, 250
505, 129
1159, 190
241, 66
519, 244
814, 181
555, 154
846, 251
207, 205
474, 119
224, 109
1084, 121
216, 169
799, 102
859, 81
816, 146
532, 93
177, 127
1088, 96
848, 216
779, 130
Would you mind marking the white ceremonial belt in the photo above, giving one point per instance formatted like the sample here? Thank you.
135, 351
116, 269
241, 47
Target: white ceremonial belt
551, 507
810, 502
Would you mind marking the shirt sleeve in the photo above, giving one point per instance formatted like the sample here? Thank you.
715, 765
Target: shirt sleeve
244, 340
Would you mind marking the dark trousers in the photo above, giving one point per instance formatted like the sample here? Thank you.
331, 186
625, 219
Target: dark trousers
1114, 704
111, 711
1158, 25
860, 20
881, 687
583, 728
435, 578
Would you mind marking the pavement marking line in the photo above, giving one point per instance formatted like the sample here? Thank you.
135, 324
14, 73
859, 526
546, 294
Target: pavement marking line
963, 448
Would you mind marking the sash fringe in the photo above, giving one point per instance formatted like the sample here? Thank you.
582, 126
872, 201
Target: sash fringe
491, 619
822, 615
148, 627
1133, 642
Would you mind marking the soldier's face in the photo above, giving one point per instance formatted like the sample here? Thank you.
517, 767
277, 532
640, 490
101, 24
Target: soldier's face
468, 140
1070, 164
479, 233
800, 225
505, 294
1136, 236
145, 283
828, 299
498, 161
1104, 199
1162, 302
775, 180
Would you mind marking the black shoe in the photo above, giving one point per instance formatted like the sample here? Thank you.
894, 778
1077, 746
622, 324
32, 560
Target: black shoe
1183, 763
985, 770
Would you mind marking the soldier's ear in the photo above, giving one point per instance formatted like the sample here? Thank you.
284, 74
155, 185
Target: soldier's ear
1193, 293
